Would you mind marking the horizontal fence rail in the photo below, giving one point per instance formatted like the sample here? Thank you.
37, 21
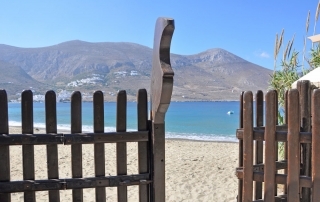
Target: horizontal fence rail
76, 139
68, 139
260, 171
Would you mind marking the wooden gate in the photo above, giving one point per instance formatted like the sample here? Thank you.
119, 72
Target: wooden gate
260, 170
150, 137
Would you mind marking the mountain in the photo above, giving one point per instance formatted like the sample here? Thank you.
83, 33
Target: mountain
14, 79
215, 74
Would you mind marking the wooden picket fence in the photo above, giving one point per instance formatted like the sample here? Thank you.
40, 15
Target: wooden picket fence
260, 170
149, 136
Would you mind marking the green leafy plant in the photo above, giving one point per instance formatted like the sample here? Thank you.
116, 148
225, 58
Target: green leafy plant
290, 68
315, 57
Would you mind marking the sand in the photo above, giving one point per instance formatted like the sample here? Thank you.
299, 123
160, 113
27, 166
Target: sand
195, 170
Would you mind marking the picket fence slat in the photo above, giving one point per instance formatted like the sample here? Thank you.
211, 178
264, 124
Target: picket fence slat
270, 147
27, 150
315, 145
121, 147
293, 147
248, 146
52, 149
99, 152
76, 149
305, 116
276, 149
259, 143
143, 164
240, 181
4, 149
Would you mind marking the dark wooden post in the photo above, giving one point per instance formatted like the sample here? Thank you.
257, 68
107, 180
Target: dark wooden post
285, 143
305, 120
161, 91
259, 143
240, 181
143, 162
76, 149
247, 191
4, 149
27, 150
293, 147
99, 152
315, 145
270, 138
121, 147
52, 149
276, 148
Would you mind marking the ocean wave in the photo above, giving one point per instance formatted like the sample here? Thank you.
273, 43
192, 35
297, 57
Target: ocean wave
201, 137
66, 127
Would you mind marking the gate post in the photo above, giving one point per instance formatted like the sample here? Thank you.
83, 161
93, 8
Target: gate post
161, 91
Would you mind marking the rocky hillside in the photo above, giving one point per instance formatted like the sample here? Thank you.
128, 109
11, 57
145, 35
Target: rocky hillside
214, 74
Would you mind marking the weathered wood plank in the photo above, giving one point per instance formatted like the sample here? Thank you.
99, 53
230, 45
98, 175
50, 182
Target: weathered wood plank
99, 153
281, 136
270, 160
4, 149
77, 138
27, 150
259, 143
293, 147
315, 144
304, 181
247, 146
121, 126
162, 73
282, 198
76, 149
74, 183
31, 139
52, 149
276, 147
161, 91
285, 143
110, 137
143, 152
304, 87
240, 181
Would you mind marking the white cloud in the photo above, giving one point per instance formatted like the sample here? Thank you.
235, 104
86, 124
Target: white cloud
261, 54
264, 55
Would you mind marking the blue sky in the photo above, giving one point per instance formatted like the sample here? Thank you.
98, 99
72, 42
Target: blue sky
245, 28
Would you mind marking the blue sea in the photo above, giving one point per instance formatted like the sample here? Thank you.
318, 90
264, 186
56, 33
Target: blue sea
207, 121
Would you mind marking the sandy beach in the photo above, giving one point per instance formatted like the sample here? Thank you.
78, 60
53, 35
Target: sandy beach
195, 170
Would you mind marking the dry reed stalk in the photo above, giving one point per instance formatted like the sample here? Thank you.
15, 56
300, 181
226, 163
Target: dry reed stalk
280, 41
286, 51
316, 19
307, 23
277, 47
275, 52
305, 39
291, 45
